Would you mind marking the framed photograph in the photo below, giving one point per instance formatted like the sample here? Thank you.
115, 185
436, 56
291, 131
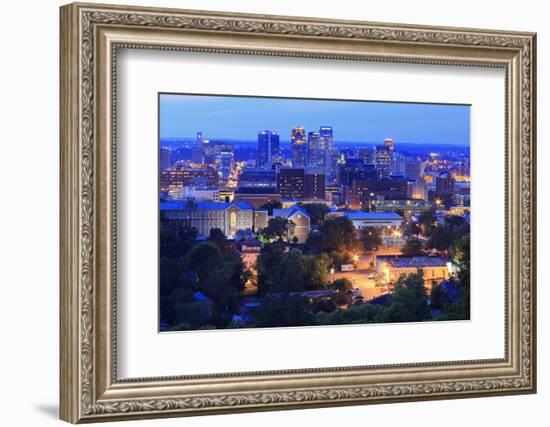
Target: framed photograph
268, 212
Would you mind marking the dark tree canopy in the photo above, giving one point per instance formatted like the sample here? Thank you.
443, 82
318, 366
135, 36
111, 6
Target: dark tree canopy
269, 206
371, 239
413, 247
277, 229
316, 211
217, 237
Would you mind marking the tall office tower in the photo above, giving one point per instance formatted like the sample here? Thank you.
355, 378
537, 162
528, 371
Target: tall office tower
208, 152
298, 147
397, 163
165, 158
388, 143
315, 155
326, 144
444, 183
197, 154
366, 155
414, 168
383, 161
268, 149
314, 184
275, 149
291, 182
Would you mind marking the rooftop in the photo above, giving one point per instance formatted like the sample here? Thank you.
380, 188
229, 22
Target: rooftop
209, 206
290, 212
398, 261
272, 190
372, 215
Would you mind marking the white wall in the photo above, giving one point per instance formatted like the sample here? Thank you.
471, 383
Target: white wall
29, 170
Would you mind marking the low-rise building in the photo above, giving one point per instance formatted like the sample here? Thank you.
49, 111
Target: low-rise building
384, 220
299, 217
388, 224
390, 268
229, 217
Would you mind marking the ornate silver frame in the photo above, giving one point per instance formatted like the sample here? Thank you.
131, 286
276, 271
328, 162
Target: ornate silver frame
90, 36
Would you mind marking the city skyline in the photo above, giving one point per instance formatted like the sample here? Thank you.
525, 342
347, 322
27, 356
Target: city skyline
240, 118
311, 233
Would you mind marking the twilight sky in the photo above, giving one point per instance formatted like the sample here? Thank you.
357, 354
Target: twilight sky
235, 117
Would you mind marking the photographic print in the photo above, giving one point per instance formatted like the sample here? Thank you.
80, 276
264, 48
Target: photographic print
285, 212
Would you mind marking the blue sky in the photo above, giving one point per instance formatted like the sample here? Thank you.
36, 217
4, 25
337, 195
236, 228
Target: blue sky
242, 117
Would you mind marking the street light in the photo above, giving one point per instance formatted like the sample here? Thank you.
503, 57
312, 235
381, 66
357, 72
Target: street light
332, 272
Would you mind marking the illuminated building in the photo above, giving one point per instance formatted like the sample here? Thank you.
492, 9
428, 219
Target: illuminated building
384, 220
390, 268
200, 193
165, 160
414, 169
315, 155
203, 176
298, 147
197, 155
326, 145
224, 163
229, 217
291, 182
388, 224
211, 149
226, 194
300, 219
397, 163
268, 149
364, 193
417, 190
301, 183
383, 156
314, 184
256, 177
408, 206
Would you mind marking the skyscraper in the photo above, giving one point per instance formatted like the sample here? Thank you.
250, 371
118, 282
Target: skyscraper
397, 163
315, 155
165, 158
414, 168
383, 156
298, 147
326, 146
197, 155
268, 149
366, 155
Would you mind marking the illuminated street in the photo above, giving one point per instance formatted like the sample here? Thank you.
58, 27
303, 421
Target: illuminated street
363, 278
